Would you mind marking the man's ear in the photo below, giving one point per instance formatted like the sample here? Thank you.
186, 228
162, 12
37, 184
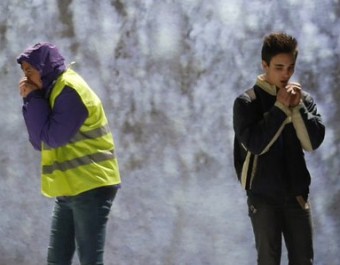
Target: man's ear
264, 65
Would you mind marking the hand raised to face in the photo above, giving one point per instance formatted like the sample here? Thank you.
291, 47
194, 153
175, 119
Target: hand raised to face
290, 96
26, 86
294, 89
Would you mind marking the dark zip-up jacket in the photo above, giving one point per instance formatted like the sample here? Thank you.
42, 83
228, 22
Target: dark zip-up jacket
270, 140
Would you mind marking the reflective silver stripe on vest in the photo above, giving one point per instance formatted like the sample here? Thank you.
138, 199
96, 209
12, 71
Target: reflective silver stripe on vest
80, 161
93, 134
96, 133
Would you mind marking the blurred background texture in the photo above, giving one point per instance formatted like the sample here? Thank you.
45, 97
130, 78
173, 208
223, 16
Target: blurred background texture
168, 72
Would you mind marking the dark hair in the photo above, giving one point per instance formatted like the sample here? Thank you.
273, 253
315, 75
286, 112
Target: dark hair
276, 43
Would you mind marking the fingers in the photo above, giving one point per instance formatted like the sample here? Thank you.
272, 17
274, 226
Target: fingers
283, 96
290, 96
293, 88
26, 87
294, 84
290, 90
22, 86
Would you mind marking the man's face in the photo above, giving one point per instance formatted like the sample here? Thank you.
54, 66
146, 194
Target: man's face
280, 69
32, 74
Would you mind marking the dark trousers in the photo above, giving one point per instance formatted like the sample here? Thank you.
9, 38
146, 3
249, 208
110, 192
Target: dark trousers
80, 222
290, 218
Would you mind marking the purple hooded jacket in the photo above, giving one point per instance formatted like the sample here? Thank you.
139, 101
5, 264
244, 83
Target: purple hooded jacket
56, 126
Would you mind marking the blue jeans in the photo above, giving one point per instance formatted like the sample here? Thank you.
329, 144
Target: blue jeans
290, 218
80, 221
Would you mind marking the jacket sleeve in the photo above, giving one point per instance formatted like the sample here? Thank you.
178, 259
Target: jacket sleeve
308, 124
254, 130
56, 126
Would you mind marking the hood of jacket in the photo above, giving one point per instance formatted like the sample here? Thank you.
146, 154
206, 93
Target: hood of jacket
46, 58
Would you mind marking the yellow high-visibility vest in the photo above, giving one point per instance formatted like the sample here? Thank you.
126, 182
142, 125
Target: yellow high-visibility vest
88, 160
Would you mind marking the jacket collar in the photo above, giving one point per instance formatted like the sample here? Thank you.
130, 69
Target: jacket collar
262, 83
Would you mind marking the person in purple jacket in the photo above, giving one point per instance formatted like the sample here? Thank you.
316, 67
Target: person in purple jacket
66, 121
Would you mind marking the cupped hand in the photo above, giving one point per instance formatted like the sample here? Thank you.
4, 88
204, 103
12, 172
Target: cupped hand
294, 89
283, 96
26, 86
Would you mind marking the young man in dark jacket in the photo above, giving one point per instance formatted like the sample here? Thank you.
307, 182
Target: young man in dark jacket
274, 123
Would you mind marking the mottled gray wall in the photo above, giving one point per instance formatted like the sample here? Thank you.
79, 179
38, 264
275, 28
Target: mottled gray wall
168, 72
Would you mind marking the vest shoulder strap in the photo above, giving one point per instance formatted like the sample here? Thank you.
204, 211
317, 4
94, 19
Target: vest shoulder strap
251, 94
